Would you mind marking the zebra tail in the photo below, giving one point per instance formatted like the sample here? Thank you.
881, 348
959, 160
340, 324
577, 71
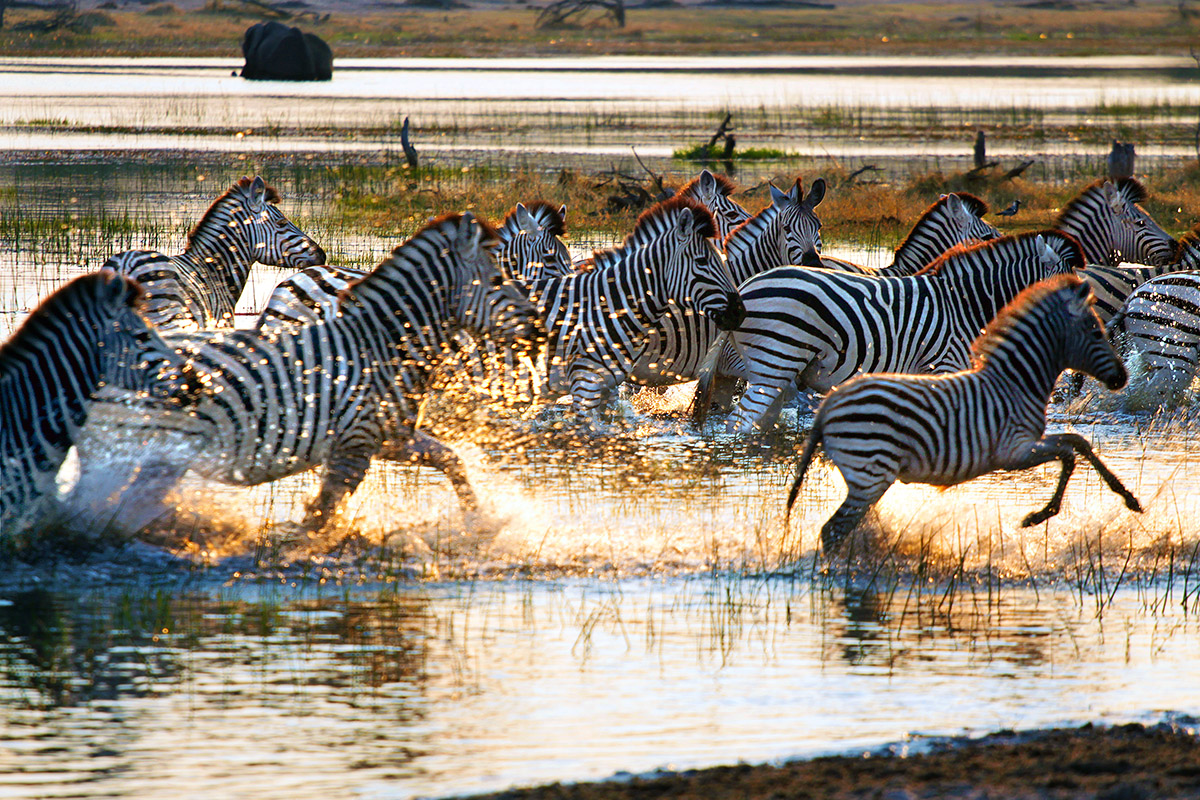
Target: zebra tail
810, 448
702, 399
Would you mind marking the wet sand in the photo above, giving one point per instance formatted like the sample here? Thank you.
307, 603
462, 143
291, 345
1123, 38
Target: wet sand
1127, 762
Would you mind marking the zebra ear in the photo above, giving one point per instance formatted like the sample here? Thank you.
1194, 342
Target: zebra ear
525, 220
708, 182
1046, 253
562, 212
470, 234
685, 226
778, 196
958, 212
1115, 201
816, 194
796, 193
258, 192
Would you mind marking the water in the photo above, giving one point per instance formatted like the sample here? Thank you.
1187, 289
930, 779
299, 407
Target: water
625, 601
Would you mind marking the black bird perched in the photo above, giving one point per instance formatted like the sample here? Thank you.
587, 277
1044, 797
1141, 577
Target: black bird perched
1011, 210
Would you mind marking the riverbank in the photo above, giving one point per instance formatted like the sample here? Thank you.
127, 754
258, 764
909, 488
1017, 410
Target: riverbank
358, 29
1126, 762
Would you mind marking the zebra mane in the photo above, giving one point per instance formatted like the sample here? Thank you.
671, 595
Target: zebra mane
751, 227
653, 221
1130, 188
1188, 244
974, 204
84, 290
546, 214
243, 183
1073, 255
437, 231
725, 187
1013, 314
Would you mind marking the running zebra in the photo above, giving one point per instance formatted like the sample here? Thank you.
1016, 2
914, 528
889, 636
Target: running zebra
1113, 228
819, 328
199, 288
713, 192
598, 322
955, 218
947, 429
529, 246
338, 392
87, 335
1161, 319
785, 232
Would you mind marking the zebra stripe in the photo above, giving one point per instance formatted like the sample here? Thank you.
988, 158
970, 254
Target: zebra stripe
713, 192
955, 218
338, 392
200, 287
1161, 319
1112, 228
1114, 286
785, 232
87, 335
598, 322
818, 328
946, 429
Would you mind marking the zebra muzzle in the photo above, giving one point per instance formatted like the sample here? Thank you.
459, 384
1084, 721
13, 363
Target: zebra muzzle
730, 317
811, 258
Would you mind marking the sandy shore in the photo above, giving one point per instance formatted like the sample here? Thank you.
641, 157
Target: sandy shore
1127, 762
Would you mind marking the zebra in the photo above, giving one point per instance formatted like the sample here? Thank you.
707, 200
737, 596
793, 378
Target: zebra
954, 218
199, 288
1113, 228
818, 328
89, 335
785, 232
713, 192
947, 429
340, 391
598, 322
1160, 320
529, 246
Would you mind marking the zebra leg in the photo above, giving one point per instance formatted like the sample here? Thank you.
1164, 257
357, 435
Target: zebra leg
1063, 446
423, 450
342, 477
859, 499
758, 408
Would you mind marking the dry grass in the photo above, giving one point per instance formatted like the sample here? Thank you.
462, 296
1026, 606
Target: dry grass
854, 28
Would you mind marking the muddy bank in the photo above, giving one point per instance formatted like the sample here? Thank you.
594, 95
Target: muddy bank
1128, 762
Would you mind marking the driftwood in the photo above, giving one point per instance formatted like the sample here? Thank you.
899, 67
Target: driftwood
561, 11
410, 152
853, 175
1120, 160
1018, 169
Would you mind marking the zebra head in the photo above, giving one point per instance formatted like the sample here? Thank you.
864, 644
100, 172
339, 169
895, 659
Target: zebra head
486, 303
530, 244
676, 236
1112, 227
1188, 254
798, 222
1086, 347
256, 225
133, 356
964, 214
713, 192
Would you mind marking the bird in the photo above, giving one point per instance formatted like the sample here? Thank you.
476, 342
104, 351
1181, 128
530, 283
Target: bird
1011, 210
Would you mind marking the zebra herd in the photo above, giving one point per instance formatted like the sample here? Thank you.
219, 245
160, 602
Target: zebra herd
334, 371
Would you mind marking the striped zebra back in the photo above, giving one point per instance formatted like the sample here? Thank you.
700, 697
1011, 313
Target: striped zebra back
531, 246
785, 232
200, 287
713, 192
598, 320
88, 334
1113, 228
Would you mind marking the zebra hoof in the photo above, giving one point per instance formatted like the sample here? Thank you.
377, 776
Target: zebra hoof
1038, 517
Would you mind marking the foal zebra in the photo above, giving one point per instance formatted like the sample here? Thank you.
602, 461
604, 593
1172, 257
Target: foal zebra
946, 429
598, 322
785, 232
337, 392
818, 328
955, 218
88, 334
1161, 319
529, 246
200, 287
713, 192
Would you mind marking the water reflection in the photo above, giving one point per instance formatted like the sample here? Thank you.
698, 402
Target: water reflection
264, 690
